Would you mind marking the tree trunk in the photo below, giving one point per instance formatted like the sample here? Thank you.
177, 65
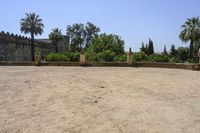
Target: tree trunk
191, 52
32, 47
56, 45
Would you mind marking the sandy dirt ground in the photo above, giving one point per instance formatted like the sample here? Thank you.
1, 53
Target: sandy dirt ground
99, 100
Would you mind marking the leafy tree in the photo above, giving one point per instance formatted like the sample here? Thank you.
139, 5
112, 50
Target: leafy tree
165, 50
144, 49
173, 52
182, 54
191, 32
32, 24
108, 42
81, 35
91, 32
105, 47
76, 33
150, 48
55, 36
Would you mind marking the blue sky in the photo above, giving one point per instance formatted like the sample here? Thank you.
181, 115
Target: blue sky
134, 20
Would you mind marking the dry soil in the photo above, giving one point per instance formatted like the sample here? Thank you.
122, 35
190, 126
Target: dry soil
99, 100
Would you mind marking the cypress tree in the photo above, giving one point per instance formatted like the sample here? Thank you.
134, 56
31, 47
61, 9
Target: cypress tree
150, 48
165, 50
146, 49
142, 49
173, 50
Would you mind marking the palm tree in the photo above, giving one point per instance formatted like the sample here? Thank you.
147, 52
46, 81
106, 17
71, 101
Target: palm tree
32, 24
55, 36
191, 32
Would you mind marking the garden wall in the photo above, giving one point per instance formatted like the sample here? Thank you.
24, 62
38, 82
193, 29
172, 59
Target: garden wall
108, 64
169, 65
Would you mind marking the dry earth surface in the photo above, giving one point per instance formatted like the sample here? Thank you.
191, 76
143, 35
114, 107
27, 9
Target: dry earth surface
99, 100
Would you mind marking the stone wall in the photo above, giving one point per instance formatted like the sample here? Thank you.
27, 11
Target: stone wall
17, 48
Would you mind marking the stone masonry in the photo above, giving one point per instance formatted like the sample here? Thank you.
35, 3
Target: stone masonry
17, 48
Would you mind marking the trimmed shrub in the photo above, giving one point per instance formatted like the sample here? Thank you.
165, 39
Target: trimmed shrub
120, 58
73, 56
158, 58
91, 56
106, 55
139, 57
57, 57
173, 60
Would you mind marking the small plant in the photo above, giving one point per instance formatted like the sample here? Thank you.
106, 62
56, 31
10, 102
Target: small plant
106, 55
120, 58
158, 58
73, 56
57, 57
140, 57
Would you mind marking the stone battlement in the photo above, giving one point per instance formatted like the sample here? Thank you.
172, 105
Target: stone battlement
14, 38
15, 47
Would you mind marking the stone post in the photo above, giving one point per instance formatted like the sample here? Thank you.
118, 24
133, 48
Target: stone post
130, 57
82, 58
37, 57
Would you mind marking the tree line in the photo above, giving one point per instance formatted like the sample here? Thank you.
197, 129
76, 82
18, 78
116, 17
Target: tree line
109, 47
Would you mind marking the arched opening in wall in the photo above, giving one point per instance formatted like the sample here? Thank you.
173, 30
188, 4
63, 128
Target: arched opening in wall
1, 58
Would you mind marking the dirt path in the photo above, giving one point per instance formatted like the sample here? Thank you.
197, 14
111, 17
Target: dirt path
99, 100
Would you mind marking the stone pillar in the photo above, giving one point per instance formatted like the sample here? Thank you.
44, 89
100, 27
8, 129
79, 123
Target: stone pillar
37, 57
130, 57
82, 58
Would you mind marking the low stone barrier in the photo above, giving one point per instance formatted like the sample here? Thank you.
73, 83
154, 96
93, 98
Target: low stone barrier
168, 65
61, 64
14, 63
108, 64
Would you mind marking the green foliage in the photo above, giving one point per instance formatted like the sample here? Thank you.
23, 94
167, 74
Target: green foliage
76, 32
173, 51
158, 58
91, 56
92, 31
140, 57
68, 56
142, 49
191, 32
73, 56
165, 50
32, 24
150, 48
182, 54
121, 58
57, 57
106, 55
55, 36
81, 35
105, 48
174, 59
146, 50
108, 42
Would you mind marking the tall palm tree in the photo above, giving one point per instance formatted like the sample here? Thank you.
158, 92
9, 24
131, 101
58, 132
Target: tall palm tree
55, 36
32, 24
191, 32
